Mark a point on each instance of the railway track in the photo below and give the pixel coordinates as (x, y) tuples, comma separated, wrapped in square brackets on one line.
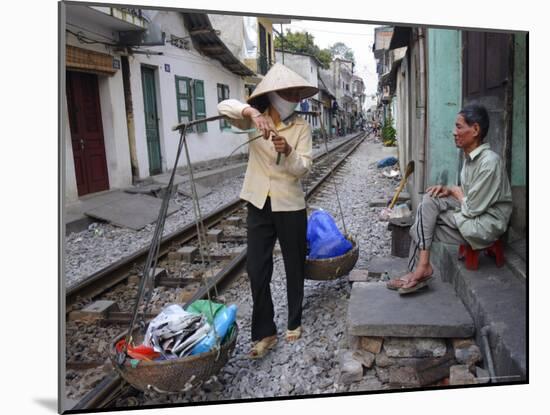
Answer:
[(228, 266)]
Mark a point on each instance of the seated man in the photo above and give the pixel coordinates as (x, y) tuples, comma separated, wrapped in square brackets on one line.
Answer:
[(475, 213)]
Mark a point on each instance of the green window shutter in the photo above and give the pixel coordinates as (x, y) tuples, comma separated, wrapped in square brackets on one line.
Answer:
[(223, 93), (200, 105), (183, 98)]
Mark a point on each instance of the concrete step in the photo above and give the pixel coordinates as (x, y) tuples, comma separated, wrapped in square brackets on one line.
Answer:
[(496, 298), (515, 254), (434, 312), (393, 265)]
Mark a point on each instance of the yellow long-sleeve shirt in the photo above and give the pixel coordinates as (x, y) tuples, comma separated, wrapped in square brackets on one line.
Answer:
[(263, 176)]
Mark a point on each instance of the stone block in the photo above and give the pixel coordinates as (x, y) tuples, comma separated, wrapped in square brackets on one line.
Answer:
[(364, 357), (350, 369), (95, 311), (468, 356), (358, 275), (372, 344), (435, 312), (403, 376), (414, 347), (187, 254), (460, 375), (383, 374), (214, 235), (462, 343), (430, 371), (382, 360), (394, 266)]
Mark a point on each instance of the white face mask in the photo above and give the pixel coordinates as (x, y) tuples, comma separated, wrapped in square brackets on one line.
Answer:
[(284, 108)]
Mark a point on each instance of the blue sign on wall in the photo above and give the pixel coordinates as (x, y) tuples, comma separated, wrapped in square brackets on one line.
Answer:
[(167, 67)]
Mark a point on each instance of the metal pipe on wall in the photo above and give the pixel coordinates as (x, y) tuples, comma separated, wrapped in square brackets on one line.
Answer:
[(421, 109)]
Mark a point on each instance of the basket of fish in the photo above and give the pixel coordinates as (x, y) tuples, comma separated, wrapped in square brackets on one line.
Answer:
[(179, 349)]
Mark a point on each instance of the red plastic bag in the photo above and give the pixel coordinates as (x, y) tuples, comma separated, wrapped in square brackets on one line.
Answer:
[(140, 352)]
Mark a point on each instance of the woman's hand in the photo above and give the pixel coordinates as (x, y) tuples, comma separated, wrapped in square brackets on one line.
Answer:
[(262, 124), (281, 146), (438, 191)]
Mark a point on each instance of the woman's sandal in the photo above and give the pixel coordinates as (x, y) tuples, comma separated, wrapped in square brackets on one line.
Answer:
[(261, 348), (421, 283), (293, 335)]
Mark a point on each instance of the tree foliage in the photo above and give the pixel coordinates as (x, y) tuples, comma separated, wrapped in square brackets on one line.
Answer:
[(303, 42), (342, 51)]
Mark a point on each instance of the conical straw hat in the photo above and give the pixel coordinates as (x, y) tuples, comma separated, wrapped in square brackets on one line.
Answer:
[(280, 77)]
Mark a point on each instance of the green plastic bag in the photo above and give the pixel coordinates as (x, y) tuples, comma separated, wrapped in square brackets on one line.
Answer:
[(203, 307)]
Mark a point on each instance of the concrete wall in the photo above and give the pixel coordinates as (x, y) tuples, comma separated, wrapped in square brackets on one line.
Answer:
[(231, 32), (212, 144), (305, 66), (519, 117), (519, 138), (115, 130), (444, 101)]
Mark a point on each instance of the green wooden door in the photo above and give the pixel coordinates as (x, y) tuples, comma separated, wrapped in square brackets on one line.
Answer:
[(151, 120)]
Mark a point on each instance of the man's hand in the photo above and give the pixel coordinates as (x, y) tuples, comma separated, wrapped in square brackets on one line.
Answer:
[(281, 146), (457, 193), (438, 191)]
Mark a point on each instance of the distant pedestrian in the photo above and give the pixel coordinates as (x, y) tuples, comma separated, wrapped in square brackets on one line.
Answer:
[(475, 213), (276, 202)]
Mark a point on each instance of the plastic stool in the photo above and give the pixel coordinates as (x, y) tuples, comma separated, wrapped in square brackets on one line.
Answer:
[(471, 256)]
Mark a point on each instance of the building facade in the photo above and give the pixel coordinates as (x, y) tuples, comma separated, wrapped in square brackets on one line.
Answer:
[(132, 74)]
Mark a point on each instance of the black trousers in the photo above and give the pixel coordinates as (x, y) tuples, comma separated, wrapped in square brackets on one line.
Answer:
[(264, 227)]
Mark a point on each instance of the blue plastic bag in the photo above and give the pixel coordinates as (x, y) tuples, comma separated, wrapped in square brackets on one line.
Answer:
[(324, 238), (386, 162), (222, 322)]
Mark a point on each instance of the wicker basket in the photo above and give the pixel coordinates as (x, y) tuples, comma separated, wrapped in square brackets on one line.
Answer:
[(173, 376), (332, 268)]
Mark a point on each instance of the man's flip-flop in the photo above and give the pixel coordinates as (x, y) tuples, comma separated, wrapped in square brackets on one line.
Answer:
[(419, 284), (390, 285)]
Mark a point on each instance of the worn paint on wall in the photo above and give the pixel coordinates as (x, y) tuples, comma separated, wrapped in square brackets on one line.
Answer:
[(519, 117), (444, 99)]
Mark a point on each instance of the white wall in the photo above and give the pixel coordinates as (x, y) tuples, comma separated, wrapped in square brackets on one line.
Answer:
[(304, 66), (115, 130), (71, 190), (231, 32), (187, 63)]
